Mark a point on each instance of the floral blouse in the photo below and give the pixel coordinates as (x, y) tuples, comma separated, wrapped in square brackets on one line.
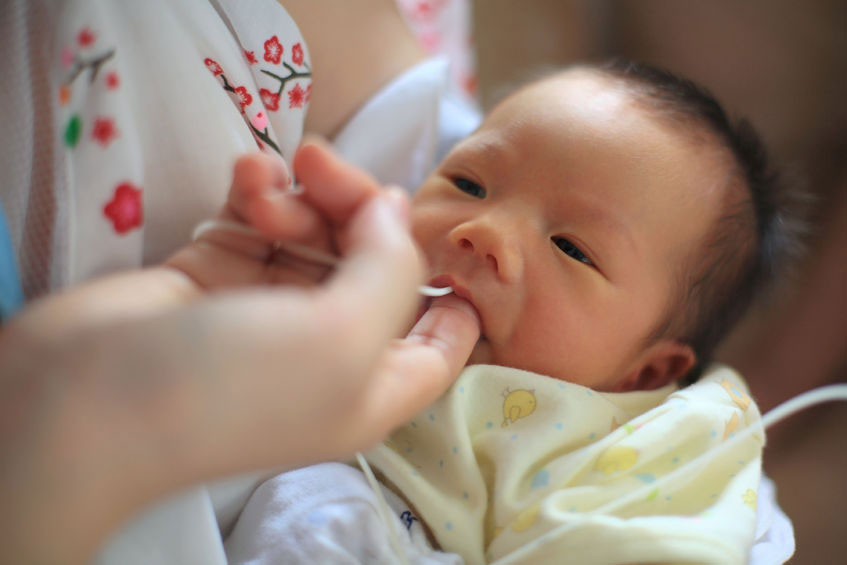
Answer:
[(155, 100)]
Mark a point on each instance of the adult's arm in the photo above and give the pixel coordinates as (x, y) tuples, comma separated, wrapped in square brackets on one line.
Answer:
[(356, 48)]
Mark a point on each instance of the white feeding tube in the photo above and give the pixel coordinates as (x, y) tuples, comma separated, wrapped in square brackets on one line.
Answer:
[(300, 251)]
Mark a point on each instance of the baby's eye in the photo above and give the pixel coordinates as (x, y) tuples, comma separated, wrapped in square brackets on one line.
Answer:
[(469, 187), (572, 250)]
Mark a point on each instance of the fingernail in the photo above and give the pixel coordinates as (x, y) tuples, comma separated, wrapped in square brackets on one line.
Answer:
[(398, 200)]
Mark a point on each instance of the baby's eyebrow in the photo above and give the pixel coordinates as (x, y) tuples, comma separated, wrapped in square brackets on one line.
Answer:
[(484, 146), (588, 213)]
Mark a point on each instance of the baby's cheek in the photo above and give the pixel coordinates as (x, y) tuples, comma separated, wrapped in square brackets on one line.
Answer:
[(422, 230)]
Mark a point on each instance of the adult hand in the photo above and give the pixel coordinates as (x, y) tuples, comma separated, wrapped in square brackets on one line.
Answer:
[(362, 305), (122, 390)]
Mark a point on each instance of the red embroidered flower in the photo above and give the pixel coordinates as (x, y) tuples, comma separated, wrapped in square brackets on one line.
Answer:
[(273, 50), (113, 80), (296, 97), (297, 54), (423, 9), (213, 66), (86, 37), (104, 131), (269, 99), (244, 97), (251, 58), (309, 92), (125, 208)]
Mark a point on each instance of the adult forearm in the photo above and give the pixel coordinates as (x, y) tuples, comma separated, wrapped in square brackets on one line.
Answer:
[(356, 48), (72, 401), (99, 424), (69, 460)]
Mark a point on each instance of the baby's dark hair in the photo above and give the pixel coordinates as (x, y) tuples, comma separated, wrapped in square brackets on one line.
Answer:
[(757, 230)]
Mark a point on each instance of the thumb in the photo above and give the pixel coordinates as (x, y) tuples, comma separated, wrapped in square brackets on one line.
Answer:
[(419, 368)]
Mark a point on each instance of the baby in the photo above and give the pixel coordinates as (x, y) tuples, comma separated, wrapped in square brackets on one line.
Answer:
[(609, 226)]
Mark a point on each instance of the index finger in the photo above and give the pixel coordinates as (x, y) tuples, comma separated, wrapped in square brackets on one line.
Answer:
[(373, 287), (333, 186)]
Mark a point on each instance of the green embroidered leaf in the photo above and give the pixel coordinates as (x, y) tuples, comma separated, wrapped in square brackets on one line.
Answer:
[(73, 131)]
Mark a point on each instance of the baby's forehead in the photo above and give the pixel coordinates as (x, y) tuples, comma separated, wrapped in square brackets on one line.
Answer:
[(574, 100), (615, 100), (578, 82)]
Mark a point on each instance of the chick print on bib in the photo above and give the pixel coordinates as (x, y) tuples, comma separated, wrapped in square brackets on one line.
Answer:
[(517, 404)]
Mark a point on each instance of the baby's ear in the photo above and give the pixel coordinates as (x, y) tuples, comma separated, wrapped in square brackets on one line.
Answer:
[(661, 363)]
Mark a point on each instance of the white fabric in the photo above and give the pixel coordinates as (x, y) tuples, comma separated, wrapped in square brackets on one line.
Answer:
[(395, 145), (181, 529), (774, 531), (401, 147), (327, 514)]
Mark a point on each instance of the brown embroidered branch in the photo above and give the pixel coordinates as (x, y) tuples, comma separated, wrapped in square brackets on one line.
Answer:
[(92, 64), (227, 86), (293, 74), (263, 135)]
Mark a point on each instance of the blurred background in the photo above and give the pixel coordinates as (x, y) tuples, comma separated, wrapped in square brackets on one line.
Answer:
[(783, 65)]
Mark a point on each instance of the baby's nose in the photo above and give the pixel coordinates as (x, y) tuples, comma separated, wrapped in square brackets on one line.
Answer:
[(466, 243), (491, 244)]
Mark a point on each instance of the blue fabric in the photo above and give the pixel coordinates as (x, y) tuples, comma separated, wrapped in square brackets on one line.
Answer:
[(11, 296)]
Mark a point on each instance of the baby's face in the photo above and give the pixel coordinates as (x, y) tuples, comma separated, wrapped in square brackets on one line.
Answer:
[(564, 220)]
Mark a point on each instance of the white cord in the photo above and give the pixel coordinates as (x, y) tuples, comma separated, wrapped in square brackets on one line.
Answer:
[(384, 510), (300, 251), (803, 401)]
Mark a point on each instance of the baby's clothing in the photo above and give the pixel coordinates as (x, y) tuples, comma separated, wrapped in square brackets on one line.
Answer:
[(516, 466), (327, 513)]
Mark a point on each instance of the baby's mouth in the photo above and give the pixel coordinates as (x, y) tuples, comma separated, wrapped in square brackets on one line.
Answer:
[(459, 291)]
